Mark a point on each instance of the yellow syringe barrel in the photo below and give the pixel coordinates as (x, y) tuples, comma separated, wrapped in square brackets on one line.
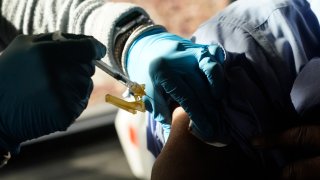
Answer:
[(131, 107)]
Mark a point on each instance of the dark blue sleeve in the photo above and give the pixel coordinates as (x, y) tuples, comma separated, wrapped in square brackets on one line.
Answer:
[(268, 42), (305, 93)]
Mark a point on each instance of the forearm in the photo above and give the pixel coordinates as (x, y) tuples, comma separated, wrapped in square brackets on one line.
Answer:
[(97, 18)]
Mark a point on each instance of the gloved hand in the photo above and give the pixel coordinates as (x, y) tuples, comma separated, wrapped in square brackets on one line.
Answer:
[(304, 141), (45, 85), (175, 70)]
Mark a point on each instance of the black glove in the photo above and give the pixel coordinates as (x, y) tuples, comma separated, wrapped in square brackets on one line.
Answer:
[(44, 85)]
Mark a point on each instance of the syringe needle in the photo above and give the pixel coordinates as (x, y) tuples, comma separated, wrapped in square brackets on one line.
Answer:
[(107, 69)]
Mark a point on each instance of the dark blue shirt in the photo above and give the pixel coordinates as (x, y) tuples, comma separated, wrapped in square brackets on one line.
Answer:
[(268, 42)]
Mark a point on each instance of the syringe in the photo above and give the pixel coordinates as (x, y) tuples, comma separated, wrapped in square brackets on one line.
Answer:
[(107, 69), (135, 89)]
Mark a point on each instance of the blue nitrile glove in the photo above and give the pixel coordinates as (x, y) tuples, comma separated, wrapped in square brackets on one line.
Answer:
[(174, 69), (44, 85)]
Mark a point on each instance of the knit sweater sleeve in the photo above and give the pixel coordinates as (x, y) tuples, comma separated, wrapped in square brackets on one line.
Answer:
[(90, 17)]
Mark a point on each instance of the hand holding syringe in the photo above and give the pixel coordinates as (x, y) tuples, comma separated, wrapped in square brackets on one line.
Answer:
[(135, 89)]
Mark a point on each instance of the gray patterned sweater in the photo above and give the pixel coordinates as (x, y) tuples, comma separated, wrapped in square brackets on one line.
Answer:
[(90, 17)]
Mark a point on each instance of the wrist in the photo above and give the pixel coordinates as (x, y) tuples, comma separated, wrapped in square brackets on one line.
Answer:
[(134, 36), (124, 30), (110, 23)]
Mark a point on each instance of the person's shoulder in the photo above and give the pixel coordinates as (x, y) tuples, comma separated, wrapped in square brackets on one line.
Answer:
[(251, 12), (243, 18)]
